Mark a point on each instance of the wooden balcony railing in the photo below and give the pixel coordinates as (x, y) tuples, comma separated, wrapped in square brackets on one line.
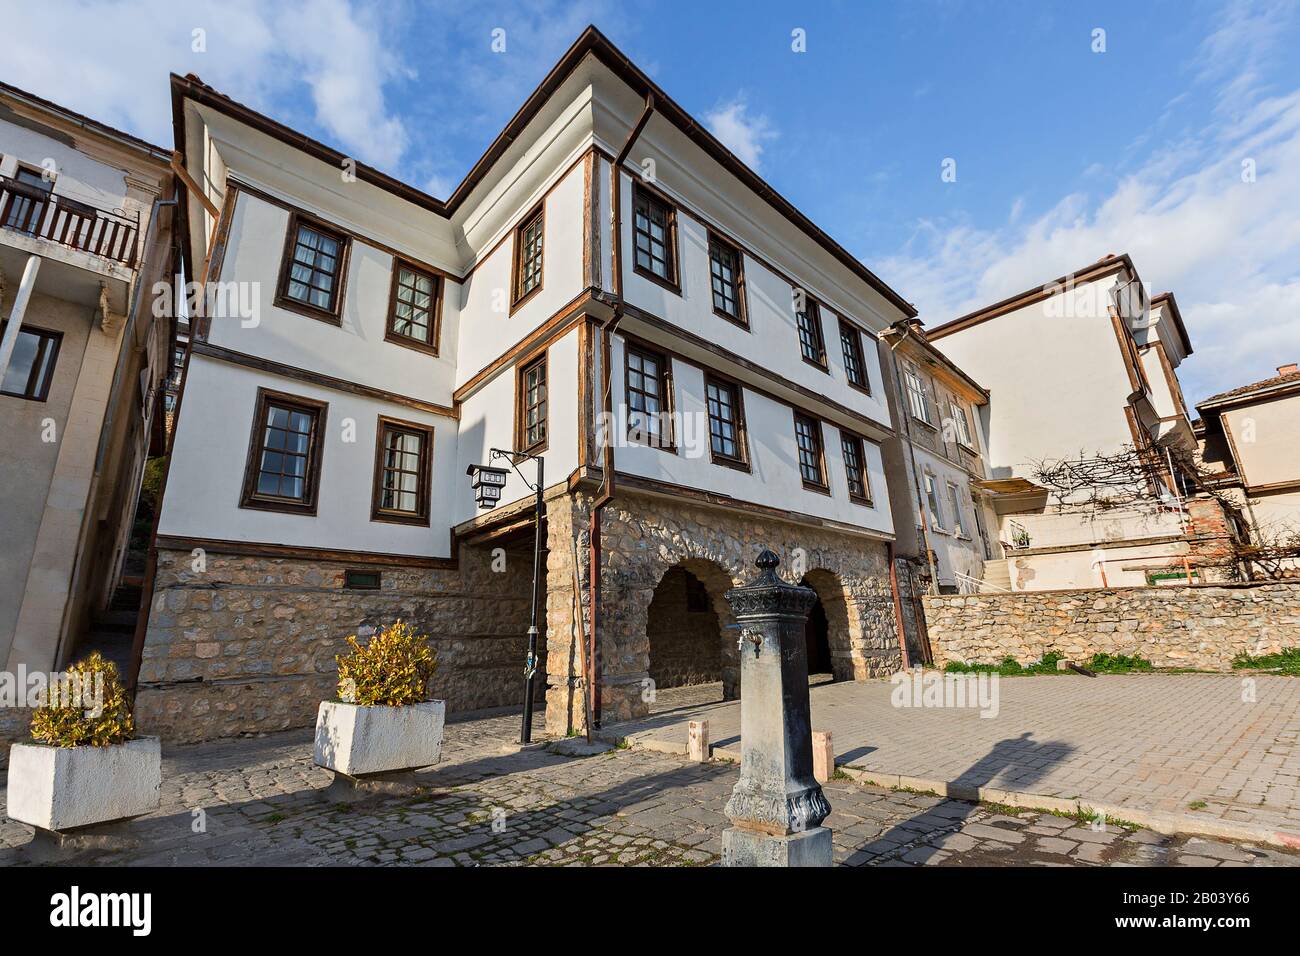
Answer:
[(42, 214)]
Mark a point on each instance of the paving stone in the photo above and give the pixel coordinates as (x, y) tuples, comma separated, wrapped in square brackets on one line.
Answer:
[(562, 812), (1054, 845)]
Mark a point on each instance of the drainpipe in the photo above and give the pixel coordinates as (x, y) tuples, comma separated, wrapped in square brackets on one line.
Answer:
[(25, 286), (607, 406), (898, 606)]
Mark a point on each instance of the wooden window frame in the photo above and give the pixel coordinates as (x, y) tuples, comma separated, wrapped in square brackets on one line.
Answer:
[(420, 516), (928, 479), (954, 499), (818, 433), (641, 191), (859, 447), (812, 311), (959, 415), (632, 347), (435, 312), (249, 498), (349, 585), (49, 338), (517, 296), (741, 318), (334, 314), (521, 417), (859, 354), (740, 463), (911, 372)]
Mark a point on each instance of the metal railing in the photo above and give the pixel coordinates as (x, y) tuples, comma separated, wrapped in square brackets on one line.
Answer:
[(966, 584), (43, 214)]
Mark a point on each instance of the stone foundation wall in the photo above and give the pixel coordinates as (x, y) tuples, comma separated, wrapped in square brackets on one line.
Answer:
[(248, 643), (643, 536), (1203, 627)]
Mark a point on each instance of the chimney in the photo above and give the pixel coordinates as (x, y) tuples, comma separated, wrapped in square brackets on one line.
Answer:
[(1287, 369)]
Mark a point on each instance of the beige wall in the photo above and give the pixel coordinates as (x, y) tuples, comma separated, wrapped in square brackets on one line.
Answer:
[(1266, 439), (27, 462)]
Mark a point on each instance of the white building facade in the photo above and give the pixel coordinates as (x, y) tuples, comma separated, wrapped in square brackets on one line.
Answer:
[(1082, 372), (608, 289)]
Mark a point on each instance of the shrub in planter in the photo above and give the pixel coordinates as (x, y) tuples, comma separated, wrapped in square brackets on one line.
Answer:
[(383, 720), (87, 766)]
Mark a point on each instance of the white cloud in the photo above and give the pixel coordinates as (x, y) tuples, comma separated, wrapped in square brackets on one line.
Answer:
[(110, 61), (743, 134), (1229, 250)]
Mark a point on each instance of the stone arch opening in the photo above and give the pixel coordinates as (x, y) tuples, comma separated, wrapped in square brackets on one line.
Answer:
[(829, 629), (687, 628), (816, 634)]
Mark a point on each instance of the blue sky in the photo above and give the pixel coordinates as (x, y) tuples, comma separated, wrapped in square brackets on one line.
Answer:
[(1062, 154)]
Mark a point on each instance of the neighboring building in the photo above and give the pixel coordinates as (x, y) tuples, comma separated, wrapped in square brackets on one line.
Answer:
[(1081, 375), (1250, 444), (939, 451), (607, 260), (85, 232)]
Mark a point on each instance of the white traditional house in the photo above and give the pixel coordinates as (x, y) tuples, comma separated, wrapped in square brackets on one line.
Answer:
[(938, 457), (609, 289), (1089, 440), (1250, 445)]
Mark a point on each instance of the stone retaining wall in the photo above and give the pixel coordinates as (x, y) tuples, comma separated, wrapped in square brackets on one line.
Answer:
[(248, 643), (1202, 627)]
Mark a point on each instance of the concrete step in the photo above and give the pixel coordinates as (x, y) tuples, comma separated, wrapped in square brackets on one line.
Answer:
[(997, 575)]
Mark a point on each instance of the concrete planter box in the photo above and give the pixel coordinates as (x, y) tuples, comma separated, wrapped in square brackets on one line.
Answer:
[(61, 788), (356, 740)]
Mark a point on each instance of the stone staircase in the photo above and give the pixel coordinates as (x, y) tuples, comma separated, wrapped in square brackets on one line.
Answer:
[(113, 631), (996, 575)]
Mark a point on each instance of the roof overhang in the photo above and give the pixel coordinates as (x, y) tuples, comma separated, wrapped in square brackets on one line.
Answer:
[(1009, 486), (592, 42)]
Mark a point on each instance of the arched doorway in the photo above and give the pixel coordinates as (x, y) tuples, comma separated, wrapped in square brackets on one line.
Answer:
[(817, 637), (684, 633)]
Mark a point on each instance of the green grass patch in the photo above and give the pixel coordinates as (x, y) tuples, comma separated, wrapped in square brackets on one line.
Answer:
[(1118, 664), (1010, 667), (1197, 805), (1285, 662)]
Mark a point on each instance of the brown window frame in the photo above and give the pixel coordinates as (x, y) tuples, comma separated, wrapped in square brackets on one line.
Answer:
[(823, 484), (521, 408), (334, 314), (667, 442), (741, 318), (249, 496), (850, 440), (378, 512), (643, 193), (741, 461), (517, 296), (851, 333), (812, 311), (435, 310), (49, 339)]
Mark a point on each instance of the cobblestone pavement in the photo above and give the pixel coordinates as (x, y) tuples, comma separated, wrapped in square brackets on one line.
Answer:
[(262, 802), (1184, 744)]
